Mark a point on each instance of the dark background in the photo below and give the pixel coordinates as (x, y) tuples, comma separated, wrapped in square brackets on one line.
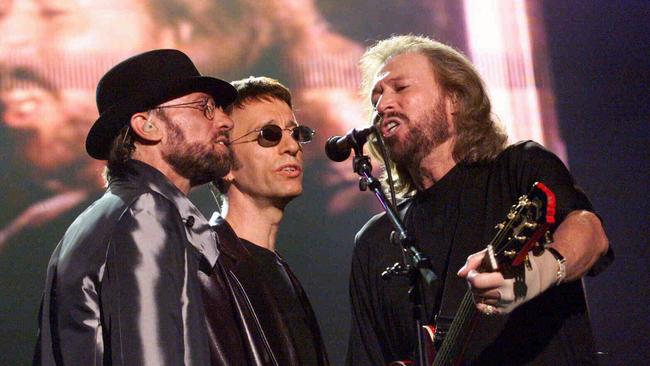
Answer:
[(600, 59)]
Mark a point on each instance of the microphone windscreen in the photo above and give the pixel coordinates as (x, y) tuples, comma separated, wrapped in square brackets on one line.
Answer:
[(333, 151)]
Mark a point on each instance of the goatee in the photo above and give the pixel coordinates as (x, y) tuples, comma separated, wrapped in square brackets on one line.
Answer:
[(424, 135), (200, 163)]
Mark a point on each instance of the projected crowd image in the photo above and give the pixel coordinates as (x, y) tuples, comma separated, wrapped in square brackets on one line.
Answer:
[(53, 53)]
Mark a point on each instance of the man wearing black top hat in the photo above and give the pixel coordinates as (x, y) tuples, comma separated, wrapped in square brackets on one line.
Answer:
[(122, 284)]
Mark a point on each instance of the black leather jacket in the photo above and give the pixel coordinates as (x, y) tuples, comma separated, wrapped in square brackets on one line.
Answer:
[(121, 287)]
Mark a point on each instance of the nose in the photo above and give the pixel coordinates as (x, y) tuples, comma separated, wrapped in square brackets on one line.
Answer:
[(386, 103), (288, 145), (222, 120)]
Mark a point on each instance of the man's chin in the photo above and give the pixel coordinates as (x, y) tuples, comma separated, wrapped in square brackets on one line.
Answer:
[(284, 200), (400, 156), (207, 176)]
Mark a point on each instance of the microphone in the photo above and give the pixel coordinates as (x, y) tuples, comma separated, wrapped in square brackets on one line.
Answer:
[(338, 148)]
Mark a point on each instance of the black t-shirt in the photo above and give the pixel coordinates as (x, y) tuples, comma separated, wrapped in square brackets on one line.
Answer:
[(275, 270), (451, 220)]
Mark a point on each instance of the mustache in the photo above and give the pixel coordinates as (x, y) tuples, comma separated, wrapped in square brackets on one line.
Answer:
[(222, 134), (394, 114)]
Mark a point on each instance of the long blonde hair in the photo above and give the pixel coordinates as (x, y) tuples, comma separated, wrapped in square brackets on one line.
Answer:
[(478, 136)]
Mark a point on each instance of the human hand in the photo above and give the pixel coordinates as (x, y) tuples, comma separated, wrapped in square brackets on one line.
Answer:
[(503, 290)]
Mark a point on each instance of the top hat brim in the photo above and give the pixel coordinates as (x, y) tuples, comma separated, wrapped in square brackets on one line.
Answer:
[(111, 121)]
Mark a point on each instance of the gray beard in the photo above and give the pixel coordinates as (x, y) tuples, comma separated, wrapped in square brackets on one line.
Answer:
[(197, 162), (423, 136)]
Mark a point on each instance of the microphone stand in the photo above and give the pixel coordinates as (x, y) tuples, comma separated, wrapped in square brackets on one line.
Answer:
[(417, 266)]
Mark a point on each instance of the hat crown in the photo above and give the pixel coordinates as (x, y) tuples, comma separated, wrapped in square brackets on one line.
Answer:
[(141, 74), (142, 82)]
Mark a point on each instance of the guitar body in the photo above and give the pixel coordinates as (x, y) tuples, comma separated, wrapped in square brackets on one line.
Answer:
[(526, 228), (429, 333)]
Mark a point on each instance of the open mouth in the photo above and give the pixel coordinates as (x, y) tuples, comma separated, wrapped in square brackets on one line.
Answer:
[(390, 127), (291, 170), (222, 140), (20, 109)]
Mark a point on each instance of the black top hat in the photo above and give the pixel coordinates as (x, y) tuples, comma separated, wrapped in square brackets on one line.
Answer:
[(142, 82)]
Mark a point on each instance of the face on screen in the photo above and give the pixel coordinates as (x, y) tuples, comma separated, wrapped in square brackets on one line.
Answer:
[(52, 53), (84, 26)]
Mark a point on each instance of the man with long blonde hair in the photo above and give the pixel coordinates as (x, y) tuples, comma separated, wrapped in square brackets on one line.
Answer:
[(459, 177)]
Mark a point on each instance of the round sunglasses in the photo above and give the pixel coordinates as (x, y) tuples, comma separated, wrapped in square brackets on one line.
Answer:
[(271, 135)]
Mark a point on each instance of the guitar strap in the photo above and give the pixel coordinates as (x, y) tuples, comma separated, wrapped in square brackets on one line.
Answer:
[(466, 238)]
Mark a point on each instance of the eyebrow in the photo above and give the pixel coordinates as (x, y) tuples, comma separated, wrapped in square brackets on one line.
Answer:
[(388, 80), (290, 123), (394, 79)]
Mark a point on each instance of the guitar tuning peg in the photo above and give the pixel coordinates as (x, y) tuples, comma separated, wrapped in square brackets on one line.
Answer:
[(510, 253), (520, 238), (530, 225), (500, 226)]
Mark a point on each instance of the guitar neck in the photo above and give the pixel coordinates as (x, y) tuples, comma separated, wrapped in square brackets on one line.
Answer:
[(452, 346)]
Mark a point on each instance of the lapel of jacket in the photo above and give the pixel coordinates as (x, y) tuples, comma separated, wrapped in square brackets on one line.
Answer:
[(197, 228), (264, 317)]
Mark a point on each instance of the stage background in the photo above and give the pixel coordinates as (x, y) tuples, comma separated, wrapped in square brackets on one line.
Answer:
[(571, 75)]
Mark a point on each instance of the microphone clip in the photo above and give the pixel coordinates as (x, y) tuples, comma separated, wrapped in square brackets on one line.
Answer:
[(338, 148)]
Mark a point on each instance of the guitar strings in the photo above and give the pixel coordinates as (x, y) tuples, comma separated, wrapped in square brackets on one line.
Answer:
[(466, 307)]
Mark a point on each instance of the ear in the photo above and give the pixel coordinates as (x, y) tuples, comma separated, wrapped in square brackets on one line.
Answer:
[(146, 127), (451, 107)]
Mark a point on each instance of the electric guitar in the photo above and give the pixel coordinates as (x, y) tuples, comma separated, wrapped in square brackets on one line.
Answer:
[(526, 226)]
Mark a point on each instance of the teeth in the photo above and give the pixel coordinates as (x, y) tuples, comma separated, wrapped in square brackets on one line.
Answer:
[(289, 169), (391, 125)]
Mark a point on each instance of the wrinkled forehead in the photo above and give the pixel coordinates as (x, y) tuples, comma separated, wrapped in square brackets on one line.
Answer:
[(388, 71), (404, 67), (257, 113)]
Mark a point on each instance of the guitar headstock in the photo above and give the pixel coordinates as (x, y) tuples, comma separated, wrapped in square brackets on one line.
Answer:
[(526, 223)]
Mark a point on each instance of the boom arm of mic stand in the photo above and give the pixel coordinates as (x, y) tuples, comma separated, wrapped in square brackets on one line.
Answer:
[(415, 261)]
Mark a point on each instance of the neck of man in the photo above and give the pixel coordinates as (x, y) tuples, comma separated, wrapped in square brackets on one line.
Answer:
[(434, 166), (155, 160), (254, 219)]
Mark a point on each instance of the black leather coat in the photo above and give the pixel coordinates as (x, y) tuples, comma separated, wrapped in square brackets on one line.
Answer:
[(245, 325), (121, 285)]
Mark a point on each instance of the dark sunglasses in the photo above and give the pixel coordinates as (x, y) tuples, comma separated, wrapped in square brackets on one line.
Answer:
[(271, 135)]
